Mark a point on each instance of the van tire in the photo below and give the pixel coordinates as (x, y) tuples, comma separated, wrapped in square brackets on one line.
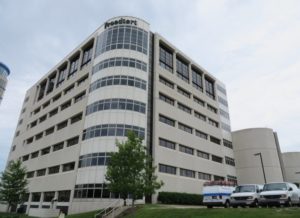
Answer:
[(255, 204), (289, 203), (227, 204)]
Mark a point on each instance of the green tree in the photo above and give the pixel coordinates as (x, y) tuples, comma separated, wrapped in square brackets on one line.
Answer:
[(130, 170), (13, 184)]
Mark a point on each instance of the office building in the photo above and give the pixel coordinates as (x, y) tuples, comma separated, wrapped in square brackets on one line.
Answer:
[(122, 77), (4, 72)]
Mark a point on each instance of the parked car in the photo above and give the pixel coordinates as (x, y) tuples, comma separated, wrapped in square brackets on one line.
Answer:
[(281, 193), (246, 195), (217, 193)]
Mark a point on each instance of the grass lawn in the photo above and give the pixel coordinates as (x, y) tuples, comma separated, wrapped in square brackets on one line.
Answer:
[(12, 215), (162, 211), (157, 211)]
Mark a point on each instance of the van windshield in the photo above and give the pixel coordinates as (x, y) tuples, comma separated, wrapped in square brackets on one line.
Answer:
[(275, 186), (245, 188)]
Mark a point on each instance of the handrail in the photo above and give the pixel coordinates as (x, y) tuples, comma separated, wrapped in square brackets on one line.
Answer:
[(109, 209)]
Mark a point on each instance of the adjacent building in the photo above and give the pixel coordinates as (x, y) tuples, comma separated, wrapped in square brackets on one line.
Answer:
[(122, 77), (291, 162), (4, 72), (258, 156)]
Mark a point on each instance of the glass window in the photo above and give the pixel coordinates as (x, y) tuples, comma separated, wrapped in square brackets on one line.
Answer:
[(217, 159), (187, 173), (197, 79), (182, 70), (165, 58), (166, 120), (167, 169), (209, 88), (203, 154), (166, 99), (186, 149), (185, 128), (122, 37), (215, 140), (166, 143)]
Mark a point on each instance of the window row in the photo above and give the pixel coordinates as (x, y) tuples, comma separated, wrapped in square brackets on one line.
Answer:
[(116, 104), (163, 168), (112, 130), (183, 72), (94, 159), (187, 94), (56, 110), (222, 101), (97, 190), (122, 37), (59, 95), (118, 80), (65, 71), (221, 89), (225, 127), (120, 62), (52, 170), (187, 109), (58, 146), (54, 128), (62, 196), (171, 122), (191, 151)]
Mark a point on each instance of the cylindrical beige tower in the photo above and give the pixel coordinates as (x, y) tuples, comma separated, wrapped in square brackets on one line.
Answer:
[(291, 162), (257, 156)]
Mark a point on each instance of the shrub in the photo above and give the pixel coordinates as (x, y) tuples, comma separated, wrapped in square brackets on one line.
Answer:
[(179, 198)]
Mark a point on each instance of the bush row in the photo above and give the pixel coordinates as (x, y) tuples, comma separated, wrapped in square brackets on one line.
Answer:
[(179, 198)]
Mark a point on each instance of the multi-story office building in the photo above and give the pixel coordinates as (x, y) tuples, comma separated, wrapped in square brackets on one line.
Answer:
[(4, 72), (122, 77)]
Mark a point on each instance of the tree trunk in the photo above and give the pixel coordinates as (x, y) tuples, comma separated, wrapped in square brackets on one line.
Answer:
[(132, 205), (124, 199)]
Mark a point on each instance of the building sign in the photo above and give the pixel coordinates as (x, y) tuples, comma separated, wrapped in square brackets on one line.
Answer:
[(120, 21)]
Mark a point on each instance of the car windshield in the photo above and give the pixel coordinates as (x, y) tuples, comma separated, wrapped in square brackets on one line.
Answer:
[(275, 186), (245, 188)]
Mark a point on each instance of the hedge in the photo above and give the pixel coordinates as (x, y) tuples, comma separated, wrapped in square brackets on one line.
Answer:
[(179, 198)]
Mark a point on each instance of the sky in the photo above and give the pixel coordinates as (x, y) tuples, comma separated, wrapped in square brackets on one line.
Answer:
[(252, 46)]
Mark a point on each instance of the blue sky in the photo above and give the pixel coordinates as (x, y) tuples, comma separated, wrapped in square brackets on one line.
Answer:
[(252, 46)]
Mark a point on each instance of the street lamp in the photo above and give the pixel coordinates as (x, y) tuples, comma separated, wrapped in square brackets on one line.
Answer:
[(262, 165)]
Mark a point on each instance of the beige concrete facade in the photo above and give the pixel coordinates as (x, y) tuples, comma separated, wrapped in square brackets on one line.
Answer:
[(263, 141), (70, 119)]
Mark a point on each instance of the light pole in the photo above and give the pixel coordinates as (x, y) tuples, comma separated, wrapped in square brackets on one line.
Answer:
[(262, 165)]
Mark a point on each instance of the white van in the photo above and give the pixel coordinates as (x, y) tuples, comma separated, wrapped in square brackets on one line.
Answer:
[(217, 193), (281, 193), (246, 195)]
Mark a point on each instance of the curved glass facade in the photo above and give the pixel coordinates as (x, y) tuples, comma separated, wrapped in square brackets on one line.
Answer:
[(120, 62), (122, 37), (94, 159), (118, 80), (112, 130), (116, 104)]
